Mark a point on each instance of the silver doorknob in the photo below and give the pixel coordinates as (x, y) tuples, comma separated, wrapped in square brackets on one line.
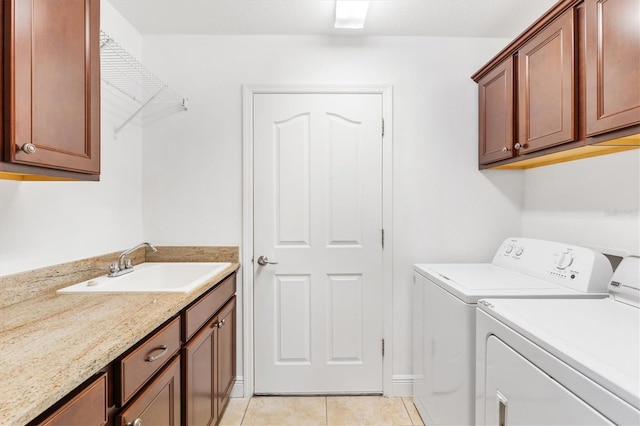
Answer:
[(28, 148), (505, 149), (517, 145), (264, 260), (136, 422)]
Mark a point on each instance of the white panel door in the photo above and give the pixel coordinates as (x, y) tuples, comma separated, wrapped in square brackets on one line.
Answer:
[(318, 214)]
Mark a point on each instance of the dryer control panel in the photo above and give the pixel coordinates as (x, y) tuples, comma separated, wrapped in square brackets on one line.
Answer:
[(625, 283), (579, 268)]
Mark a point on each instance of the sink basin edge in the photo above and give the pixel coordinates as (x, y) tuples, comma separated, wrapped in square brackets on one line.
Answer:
[(152, 277)]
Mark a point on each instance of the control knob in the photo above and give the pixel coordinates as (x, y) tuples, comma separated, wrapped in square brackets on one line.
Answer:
[(508, 249), (564, 260)]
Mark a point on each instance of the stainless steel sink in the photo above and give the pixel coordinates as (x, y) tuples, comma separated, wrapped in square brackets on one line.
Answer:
[(152, 278)]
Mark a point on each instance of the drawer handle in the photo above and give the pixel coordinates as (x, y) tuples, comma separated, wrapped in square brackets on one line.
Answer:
[(163, 348), (136, 422)]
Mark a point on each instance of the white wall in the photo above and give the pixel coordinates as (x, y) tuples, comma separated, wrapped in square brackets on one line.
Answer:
[(45, 223), (593, 202), (444, 208)]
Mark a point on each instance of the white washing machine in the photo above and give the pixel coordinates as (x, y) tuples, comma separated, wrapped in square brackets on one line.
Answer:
[(445, 297), (561, 362)]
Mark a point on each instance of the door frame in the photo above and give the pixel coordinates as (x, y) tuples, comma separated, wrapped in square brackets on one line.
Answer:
[(246, 250)]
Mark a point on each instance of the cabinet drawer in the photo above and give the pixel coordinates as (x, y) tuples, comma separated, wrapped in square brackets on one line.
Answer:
[(87, 408), (158, 403), (198, 314), (138, 366)]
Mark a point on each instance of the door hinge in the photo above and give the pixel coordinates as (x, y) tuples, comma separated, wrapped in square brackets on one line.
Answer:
[(383, 127), (382, 238), (382, 347)]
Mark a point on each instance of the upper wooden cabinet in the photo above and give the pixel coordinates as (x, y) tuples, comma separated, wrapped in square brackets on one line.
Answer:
[(576, 87), (495, 99), (612, 65), (546, 107), (51, 102)]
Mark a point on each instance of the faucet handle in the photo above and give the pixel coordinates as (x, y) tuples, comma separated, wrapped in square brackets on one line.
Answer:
[(127, 263), (114, 267)]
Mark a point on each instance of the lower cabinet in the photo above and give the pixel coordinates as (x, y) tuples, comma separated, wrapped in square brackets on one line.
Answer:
[(209, 368), (140, 364), (181, 373), (226, 354), (87, 406), (158, 403)]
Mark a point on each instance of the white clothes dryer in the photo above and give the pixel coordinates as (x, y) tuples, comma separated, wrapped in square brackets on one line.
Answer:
[(445, 297), (561, 362)]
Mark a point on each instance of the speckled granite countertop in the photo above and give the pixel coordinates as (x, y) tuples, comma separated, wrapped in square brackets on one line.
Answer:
[(50, 343)]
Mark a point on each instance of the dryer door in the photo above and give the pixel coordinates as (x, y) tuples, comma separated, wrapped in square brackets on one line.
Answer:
[(519, 393)]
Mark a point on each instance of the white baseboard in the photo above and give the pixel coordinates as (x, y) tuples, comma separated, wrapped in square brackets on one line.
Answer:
[(237, 391), (402, 385)]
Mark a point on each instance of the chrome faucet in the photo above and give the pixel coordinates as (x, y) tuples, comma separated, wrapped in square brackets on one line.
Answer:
[(123, 265)]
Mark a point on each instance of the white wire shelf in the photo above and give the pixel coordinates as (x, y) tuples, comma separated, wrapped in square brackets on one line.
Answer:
[(129, 77)]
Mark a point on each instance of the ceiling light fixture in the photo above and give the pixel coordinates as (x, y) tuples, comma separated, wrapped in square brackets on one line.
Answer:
[(351, 13)]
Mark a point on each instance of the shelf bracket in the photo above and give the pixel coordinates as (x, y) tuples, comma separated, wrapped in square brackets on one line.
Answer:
[(128, 77), (148, 101)]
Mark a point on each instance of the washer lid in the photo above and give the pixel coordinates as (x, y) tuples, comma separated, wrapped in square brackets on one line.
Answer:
[(600, 338), (472, 281)]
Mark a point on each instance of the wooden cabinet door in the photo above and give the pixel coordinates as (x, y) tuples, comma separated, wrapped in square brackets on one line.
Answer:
[(612, 60), (546, 87), (159, 403), (495, 112), (87, 408), (226, 354), (200, 377), (53, 95), (209, 360)]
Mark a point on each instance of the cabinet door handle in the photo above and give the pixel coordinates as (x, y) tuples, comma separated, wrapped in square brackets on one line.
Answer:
[(136, 422), (28, 148), (150, 358), (505, 149), (218, 324), (517, 145)]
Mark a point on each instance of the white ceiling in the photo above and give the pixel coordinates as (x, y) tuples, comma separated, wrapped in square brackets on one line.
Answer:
[(439, 18)]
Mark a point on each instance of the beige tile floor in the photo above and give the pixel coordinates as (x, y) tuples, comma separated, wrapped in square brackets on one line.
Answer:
[(320, 410)]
